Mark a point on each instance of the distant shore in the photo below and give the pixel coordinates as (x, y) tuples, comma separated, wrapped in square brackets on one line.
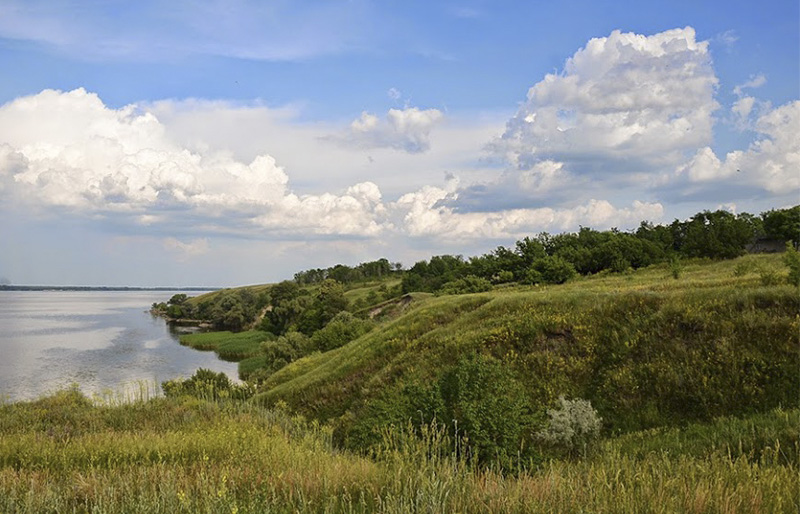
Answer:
[(102, 288)]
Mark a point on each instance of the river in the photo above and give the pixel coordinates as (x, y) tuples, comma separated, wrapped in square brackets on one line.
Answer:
[(104, 341)]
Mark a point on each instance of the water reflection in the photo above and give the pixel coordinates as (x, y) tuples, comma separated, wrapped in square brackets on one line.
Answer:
[(99, 339)]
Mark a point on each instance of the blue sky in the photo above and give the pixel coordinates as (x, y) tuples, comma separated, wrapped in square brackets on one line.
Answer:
[(224, 143)]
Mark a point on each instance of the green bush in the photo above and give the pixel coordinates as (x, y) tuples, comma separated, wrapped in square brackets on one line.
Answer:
[(675, 267), (468, 284), (549, 270), (792, 260), (207, 385), (489, 407), (277, 353), (504, 276), (769, 277), (342, 329)]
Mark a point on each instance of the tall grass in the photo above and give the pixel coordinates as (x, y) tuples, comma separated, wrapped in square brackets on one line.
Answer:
[(168, 455)]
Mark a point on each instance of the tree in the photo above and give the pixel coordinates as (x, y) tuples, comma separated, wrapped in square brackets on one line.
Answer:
[(783, 224), (717, 235)]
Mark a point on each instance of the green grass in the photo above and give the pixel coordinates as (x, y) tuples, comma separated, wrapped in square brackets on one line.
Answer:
[(210, 296), (646, 349), (63, 454), (229, 346), (251, 364), (359, 290)]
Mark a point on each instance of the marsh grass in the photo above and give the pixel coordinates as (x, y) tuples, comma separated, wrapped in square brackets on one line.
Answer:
[(229, 346)]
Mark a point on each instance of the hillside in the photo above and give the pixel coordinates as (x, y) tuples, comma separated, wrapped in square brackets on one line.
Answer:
[(646, 349)]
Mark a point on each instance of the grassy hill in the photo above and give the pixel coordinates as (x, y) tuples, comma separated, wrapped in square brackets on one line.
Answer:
[(646, 349)]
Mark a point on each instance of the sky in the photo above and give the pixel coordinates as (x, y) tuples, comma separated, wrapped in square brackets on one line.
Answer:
[(223, 143)]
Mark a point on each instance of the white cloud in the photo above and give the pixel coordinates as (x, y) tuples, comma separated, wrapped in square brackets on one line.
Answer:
[(70, 150), (746, 107), (407, 129), (771, 163), (426, 216), (188, 249), (623, 103), (304, 147), (727, 38), (743, 107), (755, 81)]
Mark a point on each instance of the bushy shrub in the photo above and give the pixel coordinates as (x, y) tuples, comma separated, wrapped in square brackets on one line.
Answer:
[(549, 270), (488, 406), (280, 352), (573, 426), (342, 329), (792, 260), (744, 266), (468, 284), (504, 277), (207, 385), (769, 276), (675, 267)]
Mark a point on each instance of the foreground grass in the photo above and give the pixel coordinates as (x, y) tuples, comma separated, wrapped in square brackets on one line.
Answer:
[(62, 454)]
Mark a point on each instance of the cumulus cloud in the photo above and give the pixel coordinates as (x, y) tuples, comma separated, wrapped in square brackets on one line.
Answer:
[(545, 183), (746, 107), (69, 150), (771, 162), (402, 129), (743, 107), (623, 103), (427, 216)]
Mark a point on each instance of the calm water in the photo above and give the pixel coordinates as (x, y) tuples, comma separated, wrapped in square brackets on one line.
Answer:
[(101, 340)]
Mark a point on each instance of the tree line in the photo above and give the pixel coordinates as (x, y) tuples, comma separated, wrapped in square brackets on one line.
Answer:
[(554, 259), (315, 296)]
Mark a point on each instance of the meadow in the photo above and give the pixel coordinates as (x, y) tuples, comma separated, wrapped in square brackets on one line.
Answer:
[(64, 454)]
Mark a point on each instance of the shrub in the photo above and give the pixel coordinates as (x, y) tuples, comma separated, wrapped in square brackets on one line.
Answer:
[(488, 406), (468, 284), (342, 329), (280, 352), (574, 426), (675, 267), (549, 270), (769, 277), (504, 276), (743, 267), (792, 260), (207, 385)]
